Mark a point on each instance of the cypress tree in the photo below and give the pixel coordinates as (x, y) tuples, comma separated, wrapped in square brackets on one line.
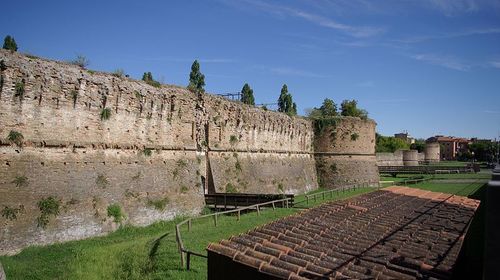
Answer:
[(247, 95), (9, 43), (196, 78), (285, 102)]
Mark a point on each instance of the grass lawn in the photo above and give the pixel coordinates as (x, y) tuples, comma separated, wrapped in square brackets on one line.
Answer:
[(140, 253)]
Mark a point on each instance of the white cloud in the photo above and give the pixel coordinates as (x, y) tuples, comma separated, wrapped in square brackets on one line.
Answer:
[(464, 33), (495, 64), (283, 12), (442, 60), (453, 7)]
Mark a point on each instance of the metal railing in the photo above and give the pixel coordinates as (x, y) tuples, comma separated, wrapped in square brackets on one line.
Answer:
[(186, 253)]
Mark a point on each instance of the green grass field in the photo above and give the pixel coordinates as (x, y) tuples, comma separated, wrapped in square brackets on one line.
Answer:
[(140, 253), (151, 252)]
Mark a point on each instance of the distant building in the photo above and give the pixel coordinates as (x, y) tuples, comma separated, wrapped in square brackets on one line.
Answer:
[(405, 137), (451, 147)]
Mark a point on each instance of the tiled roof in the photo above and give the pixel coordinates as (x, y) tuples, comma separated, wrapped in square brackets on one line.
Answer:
[(394, 233)]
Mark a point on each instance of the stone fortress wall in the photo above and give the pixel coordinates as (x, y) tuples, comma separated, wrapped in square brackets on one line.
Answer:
[(344, 148), (431, 154), (158, 153)]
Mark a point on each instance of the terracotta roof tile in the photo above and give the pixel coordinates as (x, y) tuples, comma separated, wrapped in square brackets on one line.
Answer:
[(394, 233)]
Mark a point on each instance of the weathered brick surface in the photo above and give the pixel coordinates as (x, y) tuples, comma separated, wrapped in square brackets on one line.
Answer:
[(67, 147)]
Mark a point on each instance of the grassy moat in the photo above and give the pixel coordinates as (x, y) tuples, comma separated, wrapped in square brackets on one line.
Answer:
[(151, 252)]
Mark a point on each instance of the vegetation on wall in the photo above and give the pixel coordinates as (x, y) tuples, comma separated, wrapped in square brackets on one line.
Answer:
[(285, 102), (230, 188), (48, 207), (158, 204), (114, 210), (354, 136), (16, 137), (247, 95), (350, 108), (9, 43), (327, 109), (101, 181), (233, 139), (10, 213), (19, 90), (81, 61), (388, 144), (147, 152), (20, 181), (196, 79), (105, 114), (148, 78)]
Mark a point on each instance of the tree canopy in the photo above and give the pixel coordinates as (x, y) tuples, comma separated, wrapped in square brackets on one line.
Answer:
[(9, 43), (196, 78), (387, 144), (350, 108), (285, 102), (247, 95), (148, 78), (327, 109)]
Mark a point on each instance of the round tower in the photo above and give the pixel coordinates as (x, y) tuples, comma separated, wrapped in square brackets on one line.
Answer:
[(345, 152)]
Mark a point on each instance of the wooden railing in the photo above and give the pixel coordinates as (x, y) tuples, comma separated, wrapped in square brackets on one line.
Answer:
[(186, 253)]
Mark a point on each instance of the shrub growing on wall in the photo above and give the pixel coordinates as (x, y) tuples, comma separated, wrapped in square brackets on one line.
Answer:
[(105, 114), (115, 211), (48, 207), (16, 138), (20, 181)]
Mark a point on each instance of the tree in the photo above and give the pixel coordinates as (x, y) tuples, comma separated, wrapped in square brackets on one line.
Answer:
[(419, 145), (350, 108), (327, 109), (285, 102), (148, 78), (387, 144), (9, 43), (247, 95), (196, 78), (81, 61)]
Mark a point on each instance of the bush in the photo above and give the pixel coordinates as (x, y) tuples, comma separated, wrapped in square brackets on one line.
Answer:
[(10, 213), (105, 114), (16, 138), (233, 140), (159, 204), (81, 61), (230, 188), (48, 207), (120, 73), (148, 78), (115, 211), (102, 181), (19, 90), (354, 136), (147, 152), (184, 189), (9, 43), (20, 181)]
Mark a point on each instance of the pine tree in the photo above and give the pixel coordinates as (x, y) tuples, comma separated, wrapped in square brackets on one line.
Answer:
[(9, 43), (196, 78), (247, 95)]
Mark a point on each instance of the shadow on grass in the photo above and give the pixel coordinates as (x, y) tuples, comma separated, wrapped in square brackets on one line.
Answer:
[(470, 261)]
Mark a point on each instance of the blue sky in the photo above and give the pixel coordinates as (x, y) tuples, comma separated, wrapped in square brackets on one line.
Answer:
[(426, 66)]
